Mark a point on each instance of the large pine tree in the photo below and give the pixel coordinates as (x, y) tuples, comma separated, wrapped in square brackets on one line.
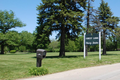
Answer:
[(108, 22), (89, 10), (64, 16)]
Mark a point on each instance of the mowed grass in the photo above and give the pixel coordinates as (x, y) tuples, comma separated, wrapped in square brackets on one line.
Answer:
[(15, 66)]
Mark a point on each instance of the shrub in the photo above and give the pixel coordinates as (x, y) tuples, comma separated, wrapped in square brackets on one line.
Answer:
[(38, 71), (50, 49), (12, 51), (70, 47), (22, 48), (6, 49)]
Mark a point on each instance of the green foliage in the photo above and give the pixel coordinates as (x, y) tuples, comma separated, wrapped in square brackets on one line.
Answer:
[(108, 22), (38, 71), (110, 46), (12, 51), (7, 21), (42, 38), (26, 39), (79, 43), (22, 48), (71, 47), (6, 49), (63, 16), (13, 38), (53, 46), (94, 48)]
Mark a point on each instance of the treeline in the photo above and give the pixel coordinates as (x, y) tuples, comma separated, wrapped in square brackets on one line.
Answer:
[(15, 41), (26, 42), (77, 46), (65, 17)]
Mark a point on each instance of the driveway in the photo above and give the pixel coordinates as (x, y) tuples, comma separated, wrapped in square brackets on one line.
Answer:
[(105, 72)]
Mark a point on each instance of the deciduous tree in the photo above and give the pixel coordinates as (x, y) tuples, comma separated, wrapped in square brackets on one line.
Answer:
[(7, 22)]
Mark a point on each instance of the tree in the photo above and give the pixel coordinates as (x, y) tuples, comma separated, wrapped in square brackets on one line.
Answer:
[(27, 39), (42, 37), (89, 12), (53, 45), (34, 44), (64, 16), (7, 22), (71, 47), (108, 22), (13, 40), (118, 38), (79, 43)]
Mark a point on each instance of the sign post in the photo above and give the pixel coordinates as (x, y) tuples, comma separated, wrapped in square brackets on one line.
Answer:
[(93, 39), (84, 45), (99, 45)]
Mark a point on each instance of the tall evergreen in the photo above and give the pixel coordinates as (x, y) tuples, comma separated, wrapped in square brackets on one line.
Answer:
[(42, 36), (108, 22), (89, 13), (64, 16)]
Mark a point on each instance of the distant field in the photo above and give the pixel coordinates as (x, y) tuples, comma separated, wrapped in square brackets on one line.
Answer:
[(15, 66)]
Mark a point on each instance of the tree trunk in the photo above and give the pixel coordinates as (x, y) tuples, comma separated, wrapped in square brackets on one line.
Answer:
[(116, 45), (2, 49), (104, 43), (88, 16), (86, 47), (62, 42)]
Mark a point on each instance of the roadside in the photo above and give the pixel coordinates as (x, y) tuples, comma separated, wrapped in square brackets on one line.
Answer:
[(105, 72)]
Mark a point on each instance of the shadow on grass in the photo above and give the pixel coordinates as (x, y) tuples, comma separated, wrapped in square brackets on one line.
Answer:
[(18, 53), (110, 54), (62, 57), (102, 54)]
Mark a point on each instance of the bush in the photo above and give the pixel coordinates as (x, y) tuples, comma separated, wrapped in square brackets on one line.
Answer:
[(70, 47), (6, 49), (22, 48), (50, 49), (53, 46), (12, 51), (38, 71), (94, 48)]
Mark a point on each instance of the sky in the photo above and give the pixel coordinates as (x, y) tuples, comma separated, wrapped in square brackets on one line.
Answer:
[(26, 11)]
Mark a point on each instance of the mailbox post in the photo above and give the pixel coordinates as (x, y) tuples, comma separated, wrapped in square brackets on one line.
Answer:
[(40, 54)]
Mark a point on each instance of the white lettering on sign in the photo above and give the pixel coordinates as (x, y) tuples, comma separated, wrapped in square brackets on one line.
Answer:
[(89, 38), (95, 38), (88, 43), (95, 42)]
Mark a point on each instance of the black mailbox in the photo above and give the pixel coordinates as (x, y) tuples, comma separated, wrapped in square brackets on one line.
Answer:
[(41, 53)]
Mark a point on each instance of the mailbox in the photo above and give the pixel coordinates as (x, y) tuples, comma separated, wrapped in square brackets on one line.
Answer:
[(41, 53)]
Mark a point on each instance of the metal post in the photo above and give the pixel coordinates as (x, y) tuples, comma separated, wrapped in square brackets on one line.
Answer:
[(99, 45), (84, 44), (39, 62)]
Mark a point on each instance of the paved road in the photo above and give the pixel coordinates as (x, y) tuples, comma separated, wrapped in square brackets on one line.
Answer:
[(106, 72)]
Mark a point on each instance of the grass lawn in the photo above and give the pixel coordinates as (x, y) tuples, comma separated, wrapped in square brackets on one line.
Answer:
[(15, 66)]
